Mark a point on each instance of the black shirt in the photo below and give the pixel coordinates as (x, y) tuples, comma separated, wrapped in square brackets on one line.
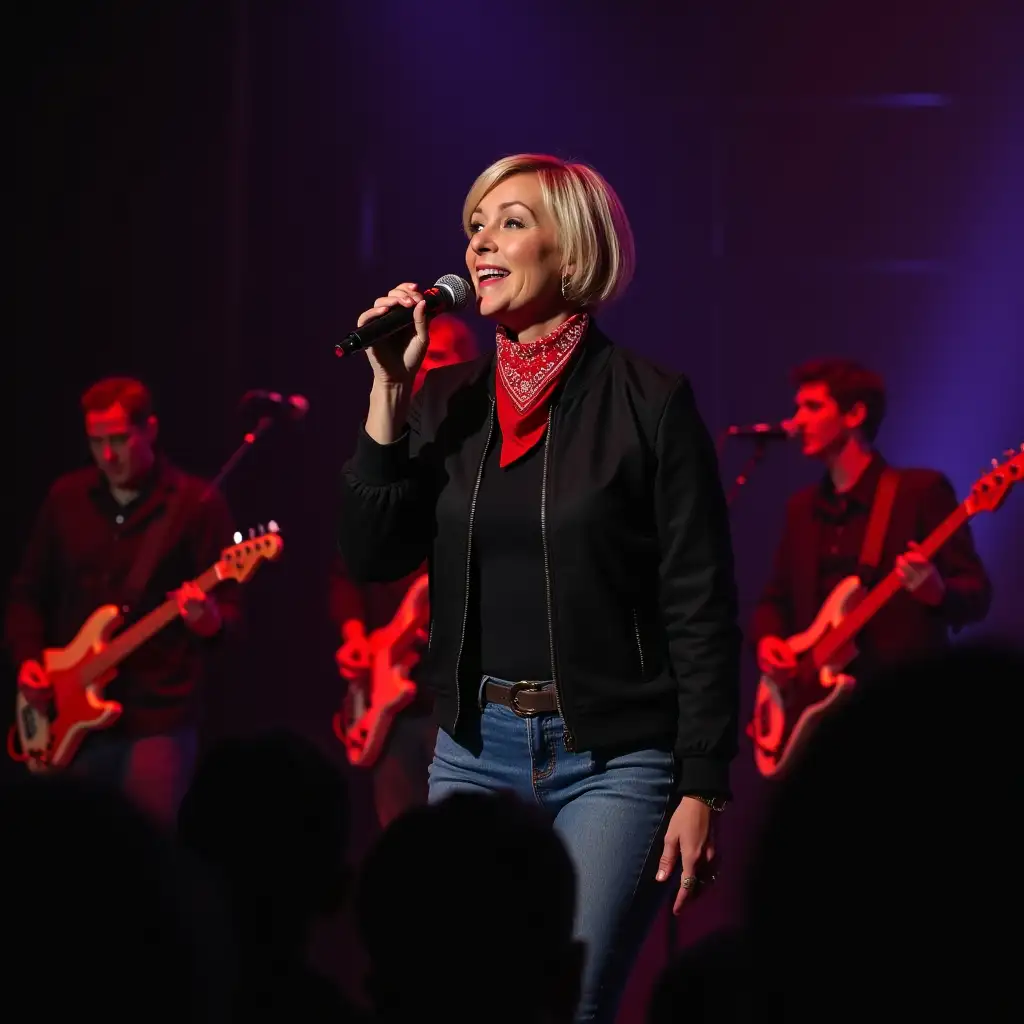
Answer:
[(80, 556), (821, 544), (510, 620), (844, 522)]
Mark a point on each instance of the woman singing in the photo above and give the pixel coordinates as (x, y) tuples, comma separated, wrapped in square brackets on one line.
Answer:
[(584, 650)]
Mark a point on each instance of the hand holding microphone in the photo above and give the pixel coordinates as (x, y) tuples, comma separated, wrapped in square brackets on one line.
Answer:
[(394, 333), (394, 330), (396, 360)]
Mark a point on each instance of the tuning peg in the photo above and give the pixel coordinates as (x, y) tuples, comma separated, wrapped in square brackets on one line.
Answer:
[(252, 533), (238, 536), (995, 463), (261, 529), (274, 528)]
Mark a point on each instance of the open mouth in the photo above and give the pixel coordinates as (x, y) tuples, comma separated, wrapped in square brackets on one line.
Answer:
[(487, 277)]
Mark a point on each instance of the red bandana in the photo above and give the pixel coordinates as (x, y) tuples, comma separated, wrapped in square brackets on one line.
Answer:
[(528, 373)]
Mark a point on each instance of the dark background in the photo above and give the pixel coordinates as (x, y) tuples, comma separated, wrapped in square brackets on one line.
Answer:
[(206, 194)]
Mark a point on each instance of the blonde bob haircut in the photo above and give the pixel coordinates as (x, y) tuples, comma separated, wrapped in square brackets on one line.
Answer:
[(593, 230)]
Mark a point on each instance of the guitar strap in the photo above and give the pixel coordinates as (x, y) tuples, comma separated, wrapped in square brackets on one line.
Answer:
[(152, 549), (878, 524)]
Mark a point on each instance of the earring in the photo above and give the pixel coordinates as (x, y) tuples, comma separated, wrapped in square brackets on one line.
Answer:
[(564, 279)]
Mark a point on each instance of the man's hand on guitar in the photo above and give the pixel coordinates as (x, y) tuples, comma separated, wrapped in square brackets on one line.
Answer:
[(920, 577), (776, 658), (353, 656), (34, 684), (198, 609)]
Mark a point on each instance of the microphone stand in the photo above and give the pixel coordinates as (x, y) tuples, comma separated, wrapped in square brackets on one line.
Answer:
[(760, 447), (262, 426)]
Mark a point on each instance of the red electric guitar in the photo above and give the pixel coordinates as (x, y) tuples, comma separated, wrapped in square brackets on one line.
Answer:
[(79, 672), (372, 702), (785, 713)]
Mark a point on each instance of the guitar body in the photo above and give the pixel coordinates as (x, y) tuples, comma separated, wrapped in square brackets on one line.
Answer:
[(372, 704), (785, 714), (50, 741)]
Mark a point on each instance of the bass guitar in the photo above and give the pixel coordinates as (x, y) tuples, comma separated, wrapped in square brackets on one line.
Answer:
[(78, 673), (786, 712)]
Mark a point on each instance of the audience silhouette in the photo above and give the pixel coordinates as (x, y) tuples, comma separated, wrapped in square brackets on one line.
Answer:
[(108, 920), (466, 908), (269, 815)]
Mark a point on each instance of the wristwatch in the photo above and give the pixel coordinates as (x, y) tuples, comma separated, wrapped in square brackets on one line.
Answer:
[(716, 803)]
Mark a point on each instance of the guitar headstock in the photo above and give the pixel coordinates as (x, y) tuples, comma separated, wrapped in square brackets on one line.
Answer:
[(242, 559), (991, 489)]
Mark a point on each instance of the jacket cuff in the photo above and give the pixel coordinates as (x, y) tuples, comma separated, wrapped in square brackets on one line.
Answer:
[(380, 464), (703, 776)]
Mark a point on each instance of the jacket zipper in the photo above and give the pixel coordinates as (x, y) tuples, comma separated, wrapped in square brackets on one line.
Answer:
[(469, 558), (567, 736), (639, 646)]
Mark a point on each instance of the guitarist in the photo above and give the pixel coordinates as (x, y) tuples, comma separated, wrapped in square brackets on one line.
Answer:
[(92, 529), (840, 406), (400, 775)]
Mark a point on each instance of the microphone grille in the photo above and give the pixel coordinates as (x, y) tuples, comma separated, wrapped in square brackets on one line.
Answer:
[(457, 287)]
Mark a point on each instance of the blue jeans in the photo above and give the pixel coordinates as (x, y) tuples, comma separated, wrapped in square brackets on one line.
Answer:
[(151, 771), (611, 812)]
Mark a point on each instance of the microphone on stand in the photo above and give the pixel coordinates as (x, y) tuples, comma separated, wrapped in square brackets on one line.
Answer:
[(763, 431), (274, 404), (760, 433), (449, 293), (271, 406)]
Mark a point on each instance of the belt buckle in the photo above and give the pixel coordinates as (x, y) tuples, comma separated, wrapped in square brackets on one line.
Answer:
[(513, 697)]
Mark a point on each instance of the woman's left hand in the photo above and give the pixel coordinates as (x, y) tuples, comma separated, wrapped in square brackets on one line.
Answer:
[(688, 840)]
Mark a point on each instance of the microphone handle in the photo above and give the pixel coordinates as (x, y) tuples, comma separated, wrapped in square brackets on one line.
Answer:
[(396, 319)]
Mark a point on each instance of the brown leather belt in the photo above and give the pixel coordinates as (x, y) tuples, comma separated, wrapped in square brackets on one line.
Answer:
[(527, 699)]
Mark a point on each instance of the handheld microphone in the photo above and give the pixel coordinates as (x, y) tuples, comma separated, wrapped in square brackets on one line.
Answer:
[(762, 431), (273, 403), (449, 293)]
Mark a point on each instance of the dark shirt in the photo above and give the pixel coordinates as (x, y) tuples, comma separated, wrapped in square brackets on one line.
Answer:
[(821, 545), (844, 522), (509, 621), (79, 557)]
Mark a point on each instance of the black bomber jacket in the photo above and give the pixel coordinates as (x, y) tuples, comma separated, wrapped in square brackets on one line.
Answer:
[(641, 594)]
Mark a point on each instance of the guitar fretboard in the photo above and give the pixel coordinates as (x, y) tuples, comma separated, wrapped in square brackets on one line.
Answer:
[(835, 640), (139, 632)]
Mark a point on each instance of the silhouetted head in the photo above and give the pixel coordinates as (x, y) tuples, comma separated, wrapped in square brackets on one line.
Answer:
[(104, 919), (453, 897), (270, 815), (891, 856)]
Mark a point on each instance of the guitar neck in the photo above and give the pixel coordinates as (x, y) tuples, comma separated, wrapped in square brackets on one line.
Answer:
[(149, 625), (835, 640)]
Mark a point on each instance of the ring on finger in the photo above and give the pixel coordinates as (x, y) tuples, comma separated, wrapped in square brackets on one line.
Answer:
[(688, 882)]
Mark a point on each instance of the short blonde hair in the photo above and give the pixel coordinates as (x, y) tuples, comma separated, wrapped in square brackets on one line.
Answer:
[(593, 230)]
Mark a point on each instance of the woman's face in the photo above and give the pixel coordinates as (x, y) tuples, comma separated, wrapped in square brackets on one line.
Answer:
[(513, 256)]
